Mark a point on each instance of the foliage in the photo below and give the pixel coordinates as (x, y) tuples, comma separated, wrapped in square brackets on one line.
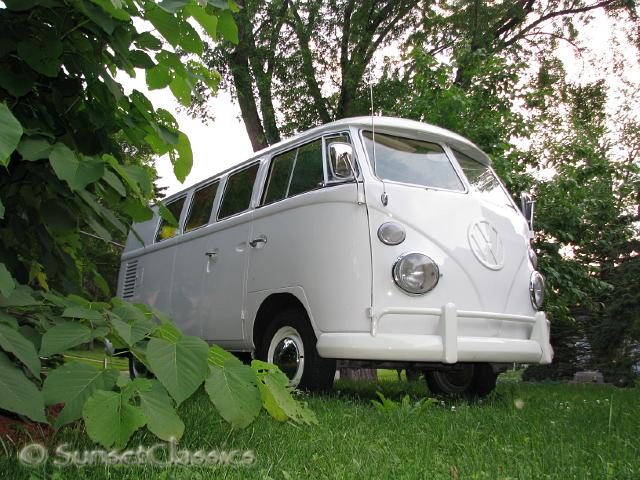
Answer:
[(388, 405), (37, 324)]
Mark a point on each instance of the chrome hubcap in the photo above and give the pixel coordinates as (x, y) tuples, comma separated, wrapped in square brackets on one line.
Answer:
[(286, 350)]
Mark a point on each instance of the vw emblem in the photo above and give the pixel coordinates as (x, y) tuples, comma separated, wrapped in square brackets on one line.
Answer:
[(486, 245)]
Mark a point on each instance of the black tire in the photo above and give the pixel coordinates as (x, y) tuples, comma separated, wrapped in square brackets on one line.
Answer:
[(313, 373), (471, 380)]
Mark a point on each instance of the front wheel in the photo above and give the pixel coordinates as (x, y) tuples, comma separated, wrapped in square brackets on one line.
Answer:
[(289, 343), (467, 380)]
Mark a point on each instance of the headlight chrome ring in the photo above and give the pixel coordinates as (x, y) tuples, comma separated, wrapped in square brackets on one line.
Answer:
[(415, 273), (536, 289)]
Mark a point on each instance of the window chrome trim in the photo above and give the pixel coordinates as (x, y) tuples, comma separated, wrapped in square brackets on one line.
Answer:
[(444, 147)]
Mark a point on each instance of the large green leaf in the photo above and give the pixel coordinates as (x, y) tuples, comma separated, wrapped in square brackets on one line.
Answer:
[(78, 173), (20, 297), (10, 133), (276, 395), (43, 54), (181, 90), (173, 6), (72, 384), (63, 336), (190, 41), (233, 390), (208, 22), (165, 23), (163, 421), (12, 341), (184, 162), (110, 420), (17, 393), (77, 311), (131, 332), (7, 283), (227, 26), (158, 77), (34, 148), (180, 365)]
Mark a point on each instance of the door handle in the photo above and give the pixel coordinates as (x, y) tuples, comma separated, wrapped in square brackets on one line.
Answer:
[(211, 254), (256, 241)]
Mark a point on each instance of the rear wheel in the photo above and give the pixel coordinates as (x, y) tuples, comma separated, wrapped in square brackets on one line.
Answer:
[(467, 380), (289, 343)]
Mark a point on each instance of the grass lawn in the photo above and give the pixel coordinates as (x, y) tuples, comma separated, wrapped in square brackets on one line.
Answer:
[(522, 431)]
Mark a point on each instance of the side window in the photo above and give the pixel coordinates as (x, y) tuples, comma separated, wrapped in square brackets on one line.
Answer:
[(278, 179), (308, 173), (237, 192), (166, 231), (201, 205)]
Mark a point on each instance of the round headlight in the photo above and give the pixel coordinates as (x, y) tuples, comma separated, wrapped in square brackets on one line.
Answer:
[(415, 273), (533, 258), (391, 233), (536, 289)]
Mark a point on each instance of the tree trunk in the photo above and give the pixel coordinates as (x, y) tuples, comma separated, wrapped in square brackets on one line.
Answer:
[(359, 374)]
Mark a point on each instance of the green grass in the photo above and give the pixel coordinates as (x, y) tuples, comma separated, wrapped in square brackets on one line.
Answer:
[(560, 432)]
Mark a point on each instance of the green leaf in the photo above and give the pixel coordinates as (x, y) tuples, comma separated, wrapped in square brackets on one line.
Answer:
[(83, 313), (62, 337), (77, 173), (110, 420), (72, 384), (218, 355), (133, 331), (182, 166), (180, 365), (8, 320), (10, 133), (20, 297), (165, 23), (190, 41), (181, 90), (17, 81), (7, 283), (158, 77), (276, 395), (208, 22), (34, 148), (148, 41), (42, 55), (173, 6), (140, 59), (157, 406), (1, 210), (166, 214), (114, 182), (233, 390), (12, 341), (21, 5), (17, 393), (114, 9), (167, 330), (227, 26)]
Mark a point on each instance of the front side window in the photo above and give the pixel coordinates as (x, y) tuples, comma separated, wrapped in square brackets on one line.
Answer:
[(482, 179), (237, 192), (165, 230), (412, 161), (201, 206), (294, 172)]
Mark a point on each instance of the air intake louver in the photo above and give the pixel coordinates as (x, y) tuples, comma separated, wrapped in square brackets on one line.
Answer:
[(130, 276)]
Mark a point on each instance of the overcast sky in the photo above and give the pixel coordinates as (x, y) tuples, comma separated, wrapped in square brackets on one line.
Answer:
[(224, 142)]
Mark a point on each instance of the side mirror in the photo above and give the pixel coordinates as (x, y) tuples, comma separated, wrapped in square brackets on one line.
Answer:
[(527, 205), (341, 161)]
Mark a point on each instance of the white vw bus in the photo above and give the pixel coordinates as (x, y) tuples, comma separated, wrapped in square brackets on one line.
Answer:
[(377, 242)]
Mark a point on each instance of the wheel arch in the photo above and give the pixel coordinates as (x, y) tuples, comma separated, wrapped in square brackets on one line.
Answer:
[(269, 306)]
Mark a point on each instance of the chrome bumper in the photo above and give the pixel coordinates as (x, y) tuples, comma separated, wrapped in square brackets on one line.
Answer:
[(447, 346)]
